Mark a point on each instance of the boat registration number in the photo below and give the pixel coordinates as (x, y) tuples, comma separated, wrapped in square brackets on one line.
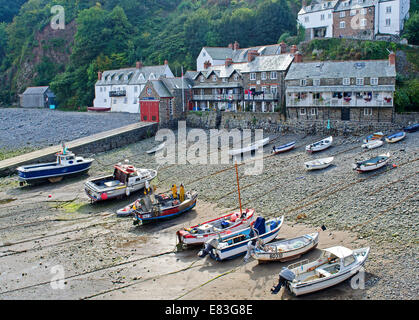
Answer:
[(275, 255), (146, 216)]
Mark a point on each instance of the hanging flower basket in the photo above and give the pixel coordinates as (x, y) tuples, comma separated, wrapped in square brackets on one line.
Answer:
[(347, 99), (368, 99), (388, 100)]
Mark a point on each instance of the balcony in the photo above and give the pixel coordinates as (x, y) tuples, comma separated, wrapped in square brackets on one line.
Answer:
[(120, 93), (262, 97), (353, 102), (217, 97)]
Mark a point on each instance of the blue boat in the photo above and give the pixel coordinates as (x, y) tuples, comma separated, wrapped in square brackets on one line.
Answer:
[(67, 164), (284, 148), (412, 128), (396, 137)]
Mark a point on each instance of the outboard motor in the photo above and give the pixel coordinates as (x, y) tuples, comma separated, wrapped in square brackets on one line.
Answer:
[(285, 276), (207, 248)]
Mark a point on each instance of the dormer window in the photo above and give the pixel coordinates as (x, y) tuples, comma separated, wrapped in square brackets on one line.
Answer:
[(346, 81), (201, 79), (374, 81), (236, 77), (152, 76), (214, 78), (263, 76), (359, 81), (141, 77), (316, 82), (303, 82), (253, 76)]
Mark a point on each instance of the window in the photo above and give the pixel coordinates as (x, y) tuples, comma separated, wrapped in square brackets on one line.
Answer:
[(306, 19), (303, 82), (302, 111), (342, 14), (274, 75), (274, 89), (363, 11), (348, 260), (252, 76), (342, 24), (214, 78), (201, 79), (202, 92), (135, 89), (367, 111), (100, 89), (236, 77), (125, 100), (316, 82), (322, 17), (353, 12), (114, 101), (104, 100), (104, 89), (388, 22), (388, 9), (313, 111), (346, 81), (374, 81), (225, 79), (363, 22), (329, 16), (171, 107), (359, 81), (264, 89), (263, 77)]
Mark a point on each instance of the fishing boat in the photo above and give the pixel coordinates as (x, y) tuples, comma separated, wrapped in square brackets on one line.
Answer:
[(162, 207), (412, 128), (201, 233), (320, 145), (251, 147), (283, 148), (125, 180), (334, 266), (318, 163), (236, 244), (396, 137), (373, 144), (285, 250), (374, 136), (67, 164), (158, 148), (373, 163)]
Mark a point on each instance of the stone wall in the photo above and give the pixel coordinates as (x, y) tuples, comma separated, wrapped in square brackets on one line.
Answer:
[(406, 119), (201, 119), (268, 121)]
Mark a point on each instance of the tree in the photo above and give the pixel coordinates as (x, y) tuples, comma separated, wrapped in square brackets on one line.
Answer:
[(411, 29)]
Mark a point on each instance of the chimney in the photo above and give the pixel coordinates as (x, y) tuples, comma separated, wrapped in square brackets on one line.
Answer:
[(392, 58), (230, 46), (99, 75), (298, 57), (251, 55), (236, 46), (166, 62), (294, 48), (228, 62), (139, 65), (283, 47), (207, 64)]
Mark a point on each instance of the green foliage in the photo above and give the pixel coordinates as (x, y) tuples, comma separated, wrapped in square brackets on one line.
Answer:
[(411, 29), (8, 9), (406, 98)]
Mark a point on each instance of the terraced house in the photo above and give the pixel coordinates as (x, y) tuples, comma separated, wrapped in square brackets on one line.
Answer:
[(341, 90), (119, 89), (256, 84)]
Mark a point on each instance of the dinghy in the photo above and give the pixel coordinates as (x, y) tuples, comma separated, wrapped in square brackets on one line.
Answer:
[(396, 137), (374, 136), (318, 163), (249, 148), (373, 144), (284, 148), (285, 250), (412, 128), (334, 266), (203, 232), (320, 145), (155, 149), (236, 244), (372, 164)]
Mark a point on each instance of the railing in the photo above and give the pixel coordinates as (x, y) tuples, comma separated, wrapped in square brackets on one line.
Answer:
[(339, 103), (217, 97), (266, 96), (120, 93)]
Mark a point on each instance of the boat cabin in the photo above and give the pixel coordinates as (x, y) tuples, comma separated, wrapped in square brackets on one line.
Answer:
[(67, 158), (122, 173)]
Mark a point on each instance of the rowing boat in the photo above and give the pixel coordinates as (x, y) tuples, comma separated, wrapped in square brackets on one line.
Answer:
[(318, 163), (320, 145)]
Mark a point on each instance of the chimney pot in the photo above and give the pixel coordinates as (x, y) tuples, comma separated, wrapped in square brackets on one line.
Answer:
[(298, 57), (228, 62), (251, 55), (99, 75), (166, 62), (230, 46), (392, 58), (207, 64), (283, 47), (294, 48), (139, 65), (236, 46)]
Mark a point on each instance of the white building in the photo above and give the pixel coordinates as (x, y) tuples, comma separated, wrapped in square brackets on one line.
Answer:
[(391, 16), (317, 18), (120, 89)]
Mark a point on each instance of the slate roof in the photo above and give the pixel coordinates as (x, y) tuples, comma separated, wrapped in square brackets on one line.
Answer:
[(131, 76), (165, 86), (341, 69), (36, 90), (318, 6), (354, 4), (240, 55)]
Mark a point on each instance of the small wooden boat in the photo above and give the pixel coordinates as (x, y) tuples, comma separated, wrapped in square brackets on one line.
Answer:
[(373, 144), (125, 180), (320, 145), (99, 109), (158, 148), (67, 164), (334, 266), (412, 128), (372, 164), (396, 137), (251, 147), (199, 234), (284, 148), (374, 136), (285, 250), (162, 207), (319, 163), (236, 244)]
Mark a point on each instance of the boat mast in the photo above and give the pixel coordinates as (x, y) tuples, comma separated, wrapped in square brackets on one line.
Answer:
[(238, 188)]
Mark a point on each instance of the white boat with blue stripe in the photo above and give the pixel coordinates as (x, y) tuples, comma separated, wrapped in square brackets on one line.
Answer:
[(236, 244)]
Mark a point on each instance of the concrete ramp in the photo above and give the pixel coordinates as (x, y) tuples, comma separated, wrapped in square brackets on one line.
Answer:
[(99, 142)]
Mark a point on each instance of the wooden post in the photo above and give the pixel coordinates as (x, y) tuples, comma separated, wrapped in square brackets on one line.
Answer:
[(238, 188)]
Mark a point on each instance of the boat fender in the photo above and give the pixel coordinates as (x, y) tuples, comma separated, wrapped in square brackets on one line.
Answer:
[(104, 196), (128, 192)]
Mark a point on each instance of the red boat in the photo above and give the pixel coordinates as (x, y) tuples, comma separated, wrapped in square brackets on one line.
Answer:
[(229, 223)]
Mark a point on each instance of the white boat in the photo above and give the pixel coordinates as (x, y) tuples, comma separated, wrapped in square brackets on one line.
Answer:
[(158, 148), (373, 144), (319, 163), (396, 137), (374, 136), (237, 243), (334, 266), (320, 145), (285, 250), (284, 148), (249, 148), (373, 163)]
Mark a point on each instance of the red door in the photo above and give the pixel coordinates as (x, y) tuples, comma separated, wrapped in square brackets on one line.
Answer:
[(149, 111)]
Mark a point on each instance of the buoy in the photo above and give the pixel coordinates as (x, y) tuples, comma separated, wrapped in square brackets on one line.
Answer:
[(394, 165), (104, 196), (49, 196)]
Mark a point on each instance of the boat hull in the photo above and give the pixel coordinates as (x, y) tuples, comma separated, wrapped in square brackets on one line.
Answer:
[(396, 138), (320, 145), (320, 164), (284, 148), (412, 128)]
